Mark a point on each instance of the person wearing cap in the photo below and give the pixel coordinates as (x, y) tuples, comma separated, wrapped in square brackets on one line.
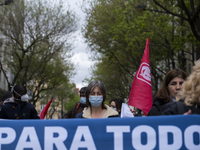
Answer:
[(18, 107)]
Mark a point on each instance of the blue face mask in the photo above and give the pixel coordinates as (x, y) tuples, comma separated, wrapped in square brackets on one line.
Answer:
[(113, 108), (96, 100), (82, 100)]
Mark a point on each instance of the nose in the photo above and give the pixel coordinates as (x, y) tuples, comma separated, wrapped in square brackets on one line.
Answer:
[(178, 86)]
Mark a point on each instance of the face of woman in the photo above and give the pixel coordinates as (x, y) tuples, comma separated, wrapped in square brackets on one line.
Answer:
[(112, 104), (174, 86), (95, 97), (95, 92)]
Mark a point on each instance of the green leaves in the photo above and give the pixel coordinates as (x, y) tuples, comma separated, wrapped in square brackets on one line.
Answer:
[(117, 30), (38, 35)]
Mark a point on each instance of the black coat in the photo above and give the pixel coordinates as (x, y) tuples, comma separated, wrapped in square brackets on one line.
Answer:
[(172, 108), (77, 108), (23, 110), (156, 107)]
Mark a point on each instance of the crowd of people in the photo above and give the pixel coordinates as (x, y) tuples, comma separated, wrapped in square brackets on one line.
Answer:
[(179, 94)]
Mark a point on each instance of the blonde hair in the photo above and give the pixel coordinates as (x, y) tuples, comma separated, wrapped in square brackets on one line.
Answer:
[(191, 87)]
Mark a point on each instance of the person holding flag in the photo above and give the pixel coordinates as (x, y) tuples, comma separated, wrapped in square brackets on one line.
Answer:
[(141, 91)]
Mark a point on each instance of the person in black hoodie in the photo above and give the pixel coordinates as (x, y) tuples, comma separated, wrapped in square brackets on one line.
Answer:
[(188, 102), (170, 88), (19, 108)]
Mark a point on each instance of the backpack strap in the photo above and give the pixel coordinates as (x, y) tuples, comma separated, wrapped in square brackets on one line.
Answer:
[(180, 107), (77, 107)]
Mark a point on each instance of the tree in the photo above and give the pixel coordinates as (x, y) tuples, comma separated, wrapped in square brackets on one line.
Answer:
[(189, 11), (38, 43), (64, 99), (116, 33)]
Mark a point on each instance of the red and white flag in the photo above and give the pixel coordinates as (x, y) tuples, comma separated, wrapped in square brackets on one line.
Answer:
[(45, 109), (141, 91)]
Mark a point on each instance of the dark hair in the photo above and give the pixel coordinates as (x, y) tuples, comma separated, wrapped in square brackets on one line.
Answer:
[(163, 92), (6, 95), (118, 103), (20, 89), (82, 90), (91, 87)]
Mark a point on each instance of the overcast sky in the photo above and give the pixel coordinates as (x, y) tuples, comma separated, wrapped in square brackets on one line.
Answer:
[(80, 53)]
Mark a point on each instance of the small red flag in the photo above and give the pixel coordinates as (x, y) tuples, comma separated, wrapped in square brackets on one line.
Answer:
[(141, 91), (45, 109)]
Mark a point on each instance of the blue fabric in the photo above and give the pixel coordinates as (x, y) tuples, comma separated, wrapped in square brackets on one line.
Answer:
[(172, 98), (80, 115), (154, 132)]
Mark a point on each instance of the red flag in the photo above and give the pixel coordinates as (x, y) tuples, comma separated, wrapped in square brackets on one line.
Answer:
[(45, 109), (141, 91)]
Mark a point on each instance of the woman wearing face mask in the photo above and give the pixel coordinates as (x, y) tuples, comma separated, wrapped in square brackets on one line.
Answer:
[(95, 98), (171, 86), (116, 104), (19, 108)]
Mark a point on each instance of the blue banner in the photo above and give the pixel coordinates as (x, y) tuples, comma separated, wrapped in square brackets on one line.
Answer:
[(141, 133)]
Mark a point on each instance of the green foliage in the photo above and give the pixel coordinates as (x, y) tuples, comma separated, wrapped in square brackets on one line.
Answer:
[(38, 43), (73, 99), (116, 32), (64, 97)]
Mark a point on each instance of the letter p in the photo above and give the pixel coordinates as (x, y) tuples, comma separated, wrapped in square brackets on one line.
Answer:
[(11, 134)]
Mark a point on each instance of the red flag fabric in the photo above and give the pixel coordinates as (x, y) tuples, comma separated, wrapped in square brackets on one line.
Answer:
[(141, 91), (45, 109)]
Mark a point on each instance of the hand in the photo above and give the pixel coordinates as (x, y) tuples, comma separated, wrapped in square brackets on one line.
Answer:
[(188, 113), (133, 111)]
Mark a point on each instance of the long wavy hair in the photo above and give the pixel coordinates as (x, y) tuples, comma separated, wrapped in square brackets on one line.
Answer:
[(191, 87)]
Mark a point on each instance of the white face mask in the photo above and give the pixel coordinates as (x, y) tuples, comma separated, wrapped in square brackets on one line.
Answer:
[(24, 98)]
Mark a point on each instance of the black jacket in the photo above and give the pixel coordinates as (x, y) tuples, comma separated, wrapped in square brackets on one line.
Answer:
[(23, 110), (77, 108), (156, 107), (172, 108)]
